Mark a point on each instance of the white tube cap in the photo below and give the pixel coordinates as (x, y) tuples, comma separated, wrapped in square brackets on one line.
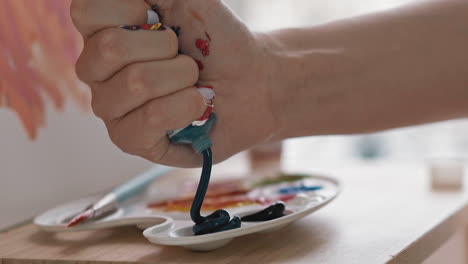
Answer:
[(153, 17)]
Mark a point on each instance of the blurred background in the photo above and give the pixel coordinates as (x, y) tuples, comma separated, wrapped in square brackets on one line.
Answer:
[(71, 148)]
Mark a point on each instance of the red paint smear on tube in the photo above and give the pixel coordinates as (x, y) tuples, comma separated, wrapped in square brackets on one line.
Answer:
[(208, 112)]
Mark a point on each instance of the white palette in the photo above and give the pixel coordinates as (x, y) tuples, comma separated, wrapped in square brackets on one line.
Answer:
[(165, 229)]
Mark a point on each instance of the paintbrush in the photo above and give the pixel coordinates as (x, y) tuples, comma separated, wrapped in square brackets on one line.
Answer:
[(111, 202)]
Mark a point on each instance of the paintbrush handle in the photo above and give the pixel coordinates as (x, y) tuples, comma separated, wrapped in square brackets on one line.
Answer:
[(137, 185)]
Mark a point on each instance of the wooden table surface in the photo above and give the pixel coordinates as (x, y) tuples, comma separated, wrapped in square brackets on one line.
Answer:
[(386, 213)]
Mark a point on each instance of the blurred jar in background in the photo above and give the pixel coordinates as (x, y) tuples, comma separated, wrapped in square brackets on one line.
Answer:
[(265, 160)]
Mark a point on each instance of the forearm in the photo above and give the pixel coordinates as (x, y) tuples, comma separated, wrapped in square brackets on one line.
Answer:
[(401, 67)]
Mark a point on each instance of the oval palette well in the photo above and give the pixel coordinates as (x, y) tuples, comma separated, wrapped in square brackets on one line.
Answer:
[(304, 195)]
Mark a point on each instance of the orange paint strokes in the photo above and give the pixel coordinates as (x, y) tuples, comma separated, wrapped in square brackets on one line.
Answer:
[(197, 16), (38, 48)]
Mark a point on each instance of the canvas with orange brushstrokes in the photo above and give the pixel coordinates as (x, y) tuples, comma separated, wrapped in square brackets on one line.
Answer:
[(38, 49)]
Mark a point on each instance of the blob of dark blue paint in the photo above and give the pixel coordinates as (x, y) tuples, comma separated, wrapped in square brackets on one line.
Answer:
[(270, 213), (216, 222)]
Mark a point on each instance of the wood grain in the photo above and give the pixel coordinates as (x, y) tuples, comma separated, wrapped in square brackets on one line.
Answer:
[(386, 213)]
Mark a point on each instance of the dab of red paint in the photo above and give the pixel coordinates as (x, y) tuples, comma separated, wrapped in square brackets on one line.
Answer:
[(208, 36), (146, 26), (203, 46), (200, 64)]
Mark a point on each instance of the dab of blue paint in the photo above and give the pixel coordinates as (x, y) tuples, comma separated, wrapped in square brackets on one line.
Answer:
[(298, 189)]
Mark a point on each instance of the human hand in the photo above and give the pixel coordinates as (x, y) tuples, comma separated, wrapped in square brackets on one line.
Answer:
[(142, 88)]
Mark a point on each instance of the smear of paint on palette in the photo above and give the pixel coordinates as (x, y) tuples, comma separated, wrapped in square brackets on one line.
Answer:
[(232, 199), (231, 194), (38, 48), (299, 189)]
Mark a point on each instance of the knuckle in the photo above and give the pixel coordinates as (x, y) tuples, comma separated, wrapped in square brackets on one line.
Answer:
[(108, 45), (152, 115), (136, 82), (101, 106)]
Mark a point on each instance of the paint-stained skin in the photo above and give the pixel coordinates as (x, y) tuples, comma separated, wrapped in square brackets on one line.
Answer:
[(204, 46), (200, 64)]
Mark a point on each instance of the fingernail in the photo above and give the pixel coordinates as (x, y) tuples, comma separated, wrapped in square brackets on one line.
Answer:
[(153, 17)]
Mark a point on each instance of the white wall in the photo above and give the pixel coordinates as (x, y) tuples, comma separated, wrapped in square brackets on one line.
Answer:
[(71, 158)]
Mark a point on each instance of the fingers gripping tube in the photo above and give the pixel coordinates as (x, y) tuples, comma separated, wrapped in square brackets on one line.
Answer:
[(198, 135)]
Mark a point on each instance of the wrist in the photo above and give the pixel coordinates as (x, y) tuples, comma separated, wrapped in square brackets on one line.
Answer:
[(276, 63), (292, 81), (307, 91)]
